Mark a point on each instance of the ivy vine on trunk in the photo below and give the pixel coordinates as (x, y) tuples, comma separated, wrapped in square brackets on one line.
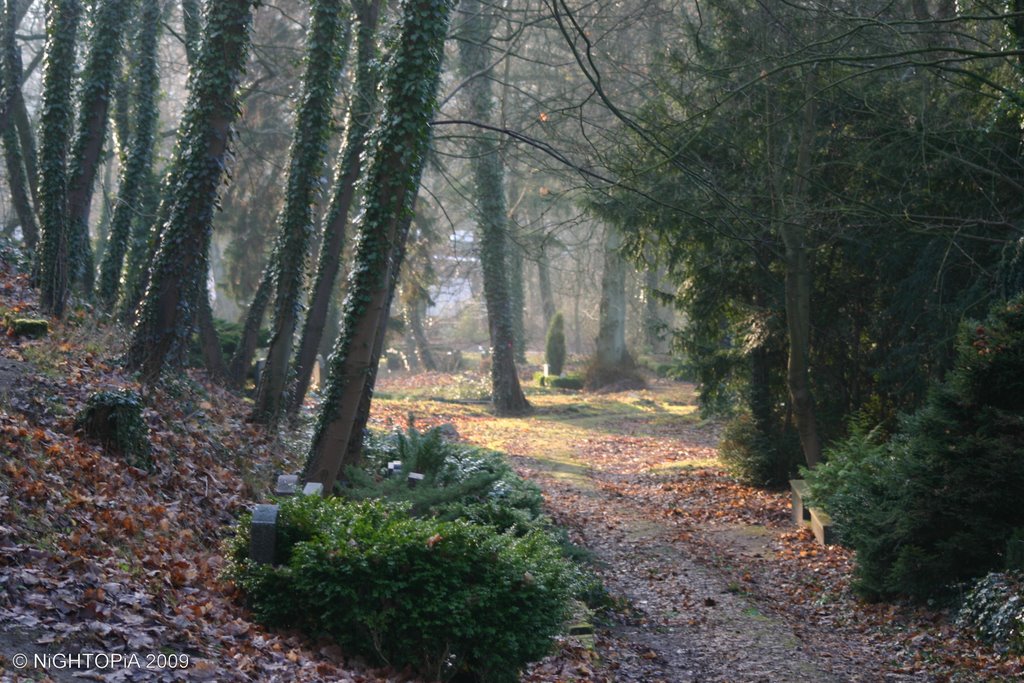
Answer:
[(360, 120), (97, 87), (326, 46), (137, 156), (492, 224), (167, 313), (392, 180), (55, 122), (10, 95)]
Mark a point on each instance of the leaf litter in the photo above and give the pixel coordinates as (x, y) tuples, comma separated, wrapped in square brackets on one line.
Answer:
[(710, 581)]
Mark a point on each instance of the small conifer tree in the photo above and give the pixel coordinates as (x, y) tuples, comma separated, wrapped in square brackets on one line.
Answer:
[(554, 348)]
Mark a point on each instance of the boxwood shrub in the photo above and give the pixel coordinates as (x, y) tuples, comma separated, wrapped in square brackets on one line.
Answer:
[(440, 597)]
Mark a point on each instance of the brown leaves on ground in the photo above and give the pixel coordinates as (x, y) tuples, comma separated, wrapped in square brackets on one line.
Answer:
[(636, 477), (98, 556)]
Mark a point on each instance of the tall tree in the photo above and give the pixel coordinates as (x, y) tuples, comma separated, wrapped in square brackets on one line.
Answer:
[(350, 162), (166, 316), (326, 47), (547, 298), (136, 153), (612, 356), (55, 124), (392, 181), (96, 91), (492, 223), (10, 92)]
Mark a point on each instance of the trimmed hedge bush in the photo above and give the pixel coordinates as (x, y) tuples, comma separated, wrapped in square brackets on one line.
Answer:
[(554, 345), (442, 598)]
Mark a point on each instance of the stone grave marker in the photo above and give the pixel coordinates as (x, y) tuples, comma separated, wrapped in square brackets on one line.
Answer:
[(263, 535), (286, 484)]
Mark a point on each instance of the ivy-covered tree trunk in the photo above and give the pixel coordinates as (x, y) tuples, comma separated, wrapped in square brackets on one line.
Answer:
[(326, 47), (415, 309), (392, 181), (10, 94), (167, 313), (137, 153), (360, 120), (547, 297), (238, 367), (362, 417), (517, 299), (192, 22), (140, 252), (97, 89), (492, 223), (611, 358), (55, 122)]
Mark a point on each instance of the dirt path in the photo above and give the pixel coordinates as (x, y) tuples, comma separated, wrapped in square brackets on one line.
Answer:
[(610, 469)]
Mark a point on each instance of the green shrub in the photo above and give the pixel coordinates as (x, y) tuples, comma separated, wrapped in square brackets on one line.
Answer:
[(442, 598), (554, 346), (849, 484), (460, 482), (573, 382), (755, 458), (993, 611), (115, 419), (937, 504)]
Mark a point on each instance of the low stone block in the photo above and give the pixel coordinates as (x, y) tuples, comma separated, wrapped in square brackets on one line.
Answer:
[(800, 492), (313, 488), (821, 525), (286, 484), (263, 534)]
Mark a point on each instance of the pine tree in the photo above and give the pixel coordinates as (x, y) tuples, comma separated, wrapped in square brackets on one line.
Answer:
[(554, 347)]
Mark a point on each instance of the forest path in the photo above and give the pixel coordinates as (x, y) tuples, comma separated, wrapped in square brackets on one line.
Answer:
[(635, 478)]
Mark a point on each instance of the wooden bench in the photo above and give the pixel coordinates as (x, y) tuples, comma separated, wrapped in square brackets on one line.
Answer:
[(815, 518)]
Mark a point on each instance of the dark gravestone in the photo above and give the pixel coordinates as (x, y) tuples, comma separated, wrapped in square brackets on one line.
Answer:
[(263, 534), (414, 479)]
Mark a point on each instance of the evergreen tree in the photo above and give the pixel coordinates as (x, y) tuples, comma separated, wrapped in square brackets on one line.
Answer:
[(326, 47), (167, 312), (393, 176), (554, 346)]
